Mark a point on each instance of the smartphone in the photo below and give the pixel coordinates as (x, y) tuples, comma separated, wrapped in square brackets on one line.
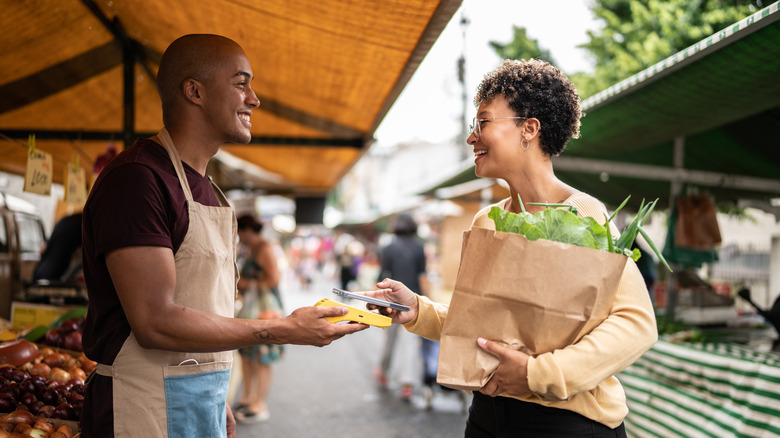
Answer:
[(371, 300)]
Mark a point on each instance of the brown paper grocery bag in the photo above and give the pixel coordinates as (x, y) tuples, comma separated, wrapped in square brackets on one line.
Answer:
[(532, 296)]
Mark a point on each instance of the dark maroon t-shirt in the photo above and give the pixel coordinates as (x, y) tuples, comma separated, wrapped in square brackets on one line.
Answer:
[(136, 201)]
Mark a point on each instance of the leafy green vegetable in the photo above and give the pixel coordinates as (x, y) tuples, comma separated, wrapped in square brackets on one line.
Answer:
[(36, 333), (566, 227)]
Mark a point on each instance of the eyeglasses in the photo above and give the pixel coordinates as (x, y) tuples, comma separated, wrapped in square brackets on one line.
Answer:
[(476, 123)]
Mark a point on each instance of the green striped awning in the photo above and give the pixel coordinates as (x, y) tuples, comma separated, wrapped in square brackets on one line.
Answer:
[(714, 390)]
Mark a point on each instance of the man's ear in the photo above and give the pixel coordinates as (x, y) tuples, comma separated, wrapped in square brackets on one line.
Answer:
[(192, 90)]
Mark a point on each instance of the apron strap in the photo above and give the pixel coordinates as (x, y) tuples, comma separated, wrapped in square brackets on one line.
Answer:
[(167, 143), (104, 370), (220, 196)]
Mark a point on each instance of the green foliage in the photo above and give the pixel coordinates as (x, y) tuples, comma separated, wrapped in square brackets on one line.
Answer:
[(739, 213), (521, 47), (676, 331), (638, 34), (635, 35)]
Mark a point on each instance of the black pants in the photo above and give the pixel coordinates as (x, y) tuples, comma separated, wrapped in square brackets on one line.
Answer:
[(504, 417)]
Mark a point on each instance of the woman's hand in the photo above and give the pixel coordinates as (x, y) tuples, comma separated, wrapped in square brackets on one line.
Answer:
[(511, 376), (396, 292)]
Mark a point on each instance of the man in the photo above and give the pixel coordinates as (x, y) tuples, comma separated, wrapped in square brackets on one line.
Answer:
[(159, 260)]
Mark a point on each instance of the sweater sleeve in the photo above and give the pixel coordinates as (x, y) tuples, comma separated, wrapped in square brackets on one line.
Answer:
[(430, 319), (628, 331)]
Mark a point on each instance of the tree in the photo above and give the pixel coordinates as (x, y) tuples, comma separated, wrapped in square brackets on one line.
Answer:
[(637, 34), (521, 47)]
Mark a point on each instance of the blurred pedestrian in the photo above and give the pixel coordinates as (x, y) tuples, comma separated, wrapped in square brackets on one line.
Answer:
[(259, 288), (61, 258), (403, 258)]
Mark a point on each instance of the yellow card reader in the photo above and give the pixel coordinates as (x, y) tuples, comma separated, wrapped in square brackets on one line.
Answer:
[(355, 314)]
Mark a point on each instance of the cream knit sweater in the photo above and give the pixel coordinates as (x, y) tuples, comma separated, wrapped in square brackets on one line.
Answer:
[(580, 377)]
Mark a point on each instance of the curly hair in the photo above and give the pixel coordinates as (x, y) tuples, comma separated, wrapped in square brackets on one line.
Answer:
[(536, 89)]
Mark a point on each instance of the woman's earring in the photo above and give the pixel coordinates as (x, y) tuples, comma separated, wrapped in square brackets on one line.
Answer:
[(526, 145)]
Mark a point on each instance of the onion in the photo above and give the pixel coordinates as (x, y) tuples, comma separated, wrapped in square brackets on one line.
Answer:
[(59, 375), (46, 411), (55, 360), (37, 433), (7, 403), (78, 374), (19, 416), (22, 428), (64, 411), (46, 424), (41, 369)]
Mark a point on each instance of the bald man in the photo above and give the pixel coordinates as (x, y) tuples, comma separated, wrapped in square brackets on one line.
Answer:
[(159, 262)]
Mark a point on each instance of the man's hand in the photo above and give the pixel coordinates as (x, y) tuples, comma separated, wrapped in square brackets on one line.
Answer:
[(511, 376), (308, 326), (396, 292), (231, 422)]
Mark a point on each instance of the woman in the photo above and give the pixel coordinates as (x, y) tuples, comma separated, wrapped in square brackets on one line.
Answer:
[(527, 111), (258, 284)]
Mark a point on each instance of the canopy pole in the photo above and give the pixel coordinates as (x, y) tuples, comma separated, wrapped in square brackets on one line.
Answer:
[(678, 161), (128, 128)]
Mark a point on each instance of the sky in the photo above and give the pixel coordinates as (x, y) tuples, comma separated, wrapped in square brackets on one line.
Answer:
[(430, 107)]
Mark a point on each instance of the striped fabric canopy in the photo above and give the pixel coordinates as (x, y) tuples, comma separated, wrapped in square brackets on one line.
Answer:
[(709, 390)]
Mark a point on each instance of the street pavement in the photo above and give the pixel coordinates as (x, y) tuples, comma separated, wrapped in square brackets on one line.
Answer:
[(331, 391)]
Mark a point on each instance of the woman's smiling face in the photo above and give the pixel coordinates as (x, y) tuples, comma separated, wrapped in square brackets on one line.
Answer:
[(498, 143)]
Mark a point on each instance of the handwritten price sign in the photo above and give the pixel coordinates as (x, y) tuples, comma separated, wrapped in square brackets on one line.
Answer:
[(75, 185), (37, 176)]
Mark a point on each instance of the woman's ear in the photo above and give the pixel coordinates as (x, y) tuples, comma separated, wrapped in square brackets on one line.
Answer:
[(192, 90), (532, 127)]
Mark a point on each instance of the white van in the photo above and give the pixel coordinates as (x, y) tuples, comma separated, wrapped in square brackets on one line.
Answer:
[(22, 236)]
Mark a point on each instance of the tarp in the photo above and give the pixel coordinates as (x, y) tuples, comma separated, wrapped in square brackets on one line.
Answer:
[(326, 73)]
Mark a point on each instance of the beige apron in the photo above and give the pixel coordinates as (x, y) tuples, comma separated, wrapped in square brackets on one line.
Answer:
[(171, 394)]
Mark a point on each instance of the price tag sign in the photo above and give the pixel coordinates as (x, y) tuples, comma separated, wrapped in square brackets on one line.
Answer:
[(37, 175), (75, 185)]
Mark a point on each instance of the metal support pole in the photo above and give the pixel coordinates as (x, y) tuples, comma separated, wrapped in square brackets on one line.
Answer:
[(676, 190), (128, 104)]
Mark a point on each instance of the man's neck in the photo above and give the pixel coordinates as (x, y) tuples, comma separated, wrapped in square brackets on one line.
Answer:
[(196, 152)]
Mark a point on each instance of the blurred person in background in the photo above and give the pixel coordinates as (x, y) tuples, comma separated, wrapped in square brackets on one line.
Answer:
[(61, 258), (403, 259), (258, 285)]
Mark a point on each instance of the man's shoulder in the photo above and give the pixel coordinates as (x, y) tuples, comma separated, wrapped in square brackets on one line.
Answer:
[(144, 161), (144, 152)]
